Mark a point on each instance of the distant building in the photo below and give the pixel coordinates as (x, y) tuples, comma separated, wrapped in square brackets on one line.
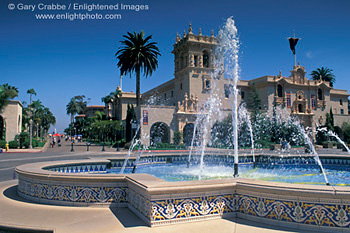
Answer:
[(175, 104), (118, 107), (90, 110), (81, 116), (11, 120)]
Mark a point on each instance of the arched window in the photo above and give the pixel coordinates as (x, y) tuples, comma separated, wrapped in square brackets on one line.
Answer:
[(205, 59), (279, 91), (182, 62), (207, 84), (320, 94), (196, 63)]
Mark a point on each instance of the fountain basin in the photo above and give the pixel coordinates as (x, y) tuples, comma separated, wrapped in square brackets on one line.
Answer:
[(160, 202)]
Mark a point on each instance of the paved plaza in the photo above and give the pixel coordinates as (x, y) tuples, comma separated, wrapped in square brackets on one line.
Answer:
[(18, 213)]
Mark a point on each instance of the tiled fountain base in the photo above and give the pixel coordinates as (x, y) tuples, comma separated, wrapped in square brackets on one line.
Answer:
[(159, 202)]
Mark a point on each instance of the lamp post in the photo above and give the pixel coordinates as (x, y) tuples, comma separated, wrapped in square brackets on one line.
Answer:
[(30, 131)]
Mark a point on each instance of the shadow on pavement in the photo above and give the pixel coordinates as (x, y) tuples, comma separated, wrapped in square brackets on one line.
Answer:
[(127, 218), (11, 193), (266, 226)]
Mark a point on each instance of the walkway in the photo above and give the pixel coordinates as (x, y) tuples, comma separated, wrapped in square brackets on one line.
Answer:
[(17, 213)]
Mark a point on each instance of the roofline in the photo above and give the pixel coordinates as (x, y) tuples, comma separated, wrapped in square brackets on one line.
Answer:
[(16, 101)]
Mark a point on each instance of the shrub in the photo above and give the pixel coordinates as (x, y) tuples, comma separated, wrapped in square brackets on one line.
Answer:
[(22, 138), (177, 137), (127, 145), (2, 144), (169, 146), (25, 144), (35, 143), (41, 144), (13, 144)]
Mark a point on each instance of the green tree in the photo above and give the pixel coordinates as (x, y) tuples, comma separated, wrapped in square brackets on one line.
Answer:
[(254, 102), (113, 96), (99, 116), (31, 92), (76, 105), (137, 54), (346, 131), (330, 120), (107, 100), (7, 93), (177, 137), (130, 116), (325, 74)]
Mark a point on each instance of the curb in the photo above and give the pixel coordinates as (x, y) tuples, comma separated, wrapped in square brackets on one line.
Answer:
[(43, 149)]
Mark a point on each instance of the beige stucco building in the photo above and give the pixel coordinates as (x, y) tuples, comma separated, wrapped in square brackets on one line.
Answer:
[(175, 104), (11, 118)]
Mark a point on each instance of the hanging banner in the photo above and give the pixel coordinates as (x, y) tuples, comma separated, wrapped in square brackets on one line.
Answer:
[(313, 102), (145, 117), (289, 102), (292, 43)]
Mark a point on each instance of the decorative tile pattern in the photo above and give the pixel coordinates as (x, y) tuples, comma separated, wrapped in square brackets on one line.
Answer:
[(192, 207), (82, 168), (70, 193), (311, 211), (318, 214), (140, 203)]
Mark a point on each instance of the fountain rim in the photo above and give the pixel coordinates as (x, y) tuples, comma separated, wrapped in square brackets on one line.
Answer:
[(37, 170)]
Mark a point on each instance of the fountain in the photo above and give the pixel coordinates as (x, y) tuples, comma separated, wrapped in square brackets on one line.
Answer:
[(196, 192), (332, 134)]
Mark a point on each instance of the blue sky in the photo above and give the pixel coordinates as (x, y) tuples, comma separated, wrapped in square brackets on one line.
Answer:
[(61, 58)]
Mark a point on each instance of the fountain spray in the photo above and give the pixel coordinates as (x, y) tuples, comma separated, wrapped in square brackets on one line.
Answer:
[(228, 51)]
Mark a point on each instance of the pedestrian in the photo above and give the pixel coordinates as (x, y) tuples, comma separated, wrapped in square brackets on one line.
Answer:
[(59, 142)]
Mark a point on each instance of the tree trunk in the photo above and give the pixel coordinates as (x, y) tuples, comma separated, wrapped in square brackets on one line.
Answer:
[(137, 87)]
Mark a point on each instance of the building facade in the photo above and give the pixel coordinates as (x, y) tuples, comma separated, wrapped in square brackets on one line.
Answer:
[(90, 110), (175, 104), (11, 119)]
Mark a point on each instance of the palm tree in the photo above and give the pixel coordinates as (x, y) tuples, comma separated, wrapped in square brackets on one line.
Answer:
[(31, 92), (116, 94), (137, 54), (73, 107), (107, 99), (324, 74), (7, 93), (37, 107), (47, 119)]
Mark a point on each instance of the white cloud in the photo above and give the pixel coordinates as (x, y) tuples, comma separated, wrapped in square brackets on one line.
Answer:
[(309, 55)]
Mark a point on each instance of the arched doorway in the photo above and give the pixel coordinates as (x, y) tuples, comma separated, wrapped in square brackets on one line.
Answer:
[(188, 134), (159, 133), (2, 128), (300, 108), (279, 91)]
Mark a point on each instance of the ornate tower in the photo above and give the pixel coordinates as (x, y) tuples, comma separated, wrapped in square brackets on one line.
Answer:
[(193, 64)]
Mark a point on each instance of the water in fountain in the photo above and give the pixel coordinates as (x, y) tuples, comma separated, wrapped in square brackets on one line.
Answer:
[(227, 51), (134, 142), (141, 143), (332, 134), (212, 105), (244, 117), (192, 143), (312, 149), (226, 62), (285, 116)]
